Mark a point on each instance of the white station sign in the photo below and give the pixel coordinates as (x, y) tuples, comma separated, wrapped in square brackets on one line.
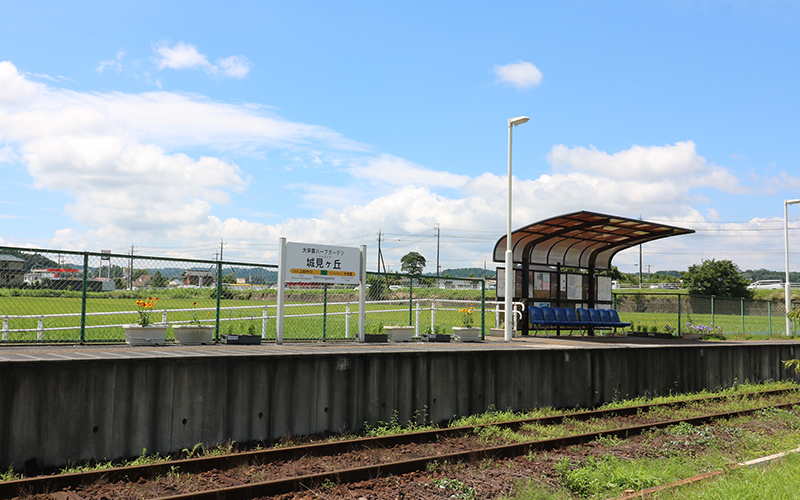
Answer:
[(313, 263)]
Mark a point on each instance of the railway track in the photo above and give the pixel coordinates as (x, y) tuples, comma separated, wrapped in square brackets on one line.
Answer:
[(74, 481)]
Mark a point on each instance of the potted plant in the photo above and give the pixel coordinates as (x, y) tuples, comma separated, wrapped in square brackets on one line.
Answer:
[(466, 332), (249, 338), (376, 333), (194, 332), (145, 332), (399, 333), (435, 333)]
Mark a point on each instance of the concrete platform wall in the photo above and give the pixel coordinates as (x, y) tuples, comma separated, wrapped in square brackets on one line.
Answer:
[(56, 412)]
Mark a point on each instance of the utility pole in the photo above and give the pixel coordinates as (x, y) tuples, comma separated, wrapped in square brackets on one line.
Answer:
[(221, 245)]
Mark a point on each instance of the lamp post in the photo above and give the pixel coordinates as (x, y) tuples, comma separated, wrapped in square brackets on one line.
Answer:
[(787, 286), (509, 315)]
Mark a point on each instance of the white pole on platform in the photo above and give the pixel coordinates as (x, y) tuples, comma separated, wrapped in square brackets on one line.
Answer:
[(787, 286), (281, 290), (512, 122), (362, 294)]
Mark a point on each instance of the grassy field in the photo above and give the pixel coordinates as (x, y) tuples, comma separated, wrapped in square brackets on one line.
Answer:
[(243, 312), (303, 319)]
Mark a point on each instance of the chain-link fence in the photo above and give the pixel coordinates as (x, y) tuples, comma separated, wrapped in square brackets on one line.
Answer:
[(51, 296), (681, 313)]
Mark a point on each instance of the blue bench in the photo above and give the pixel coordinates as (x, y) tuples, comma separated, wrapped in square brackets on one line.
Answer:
[(546, 318)]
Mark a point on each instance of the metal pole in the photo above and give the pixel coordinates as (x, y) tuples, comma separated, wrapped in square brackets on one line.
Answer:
[(84, 288), (324, 309), (509, 289), (362, 294), (509, 255), (282, 290), (787, 286)]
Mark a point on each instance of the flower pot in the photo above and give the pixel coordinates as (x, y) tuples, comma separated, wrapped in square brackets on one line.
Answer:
[(435, 337), (467, 334), (399, 333), (691, 336), (241, 339), (146, 335), (193, 334), (376, 337)]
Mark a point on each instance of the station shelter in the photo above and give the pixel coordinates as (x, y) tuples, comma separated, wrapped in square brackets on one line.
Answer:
[(564, 261)]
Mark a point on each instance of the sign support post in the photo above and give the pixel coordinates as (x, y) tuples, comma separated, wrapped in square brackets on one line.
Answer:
[(281, 290), (362, 294)]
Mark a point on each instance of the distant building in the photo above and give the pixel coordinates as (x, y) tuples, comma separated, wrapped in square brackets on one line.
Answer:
[(142, 281), (193, 277), (12, 272), (36, 276)]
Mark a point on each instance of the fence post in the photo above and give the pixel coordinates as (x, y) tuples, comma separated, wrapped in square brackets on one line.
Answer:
[(433, 316), (347, 320), (5, 329), (483, 309), (219, 297), (324, 309), (769, 316), (496, 315), (410, 298), (713, 308), (264, 321), (679, 316), (84, 287), (742, 310), (417, 322), (164, 317), (40, 331)]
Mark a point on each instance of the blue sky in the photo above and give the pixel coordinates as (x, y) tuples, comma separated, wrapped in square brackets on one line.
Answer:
[(174, 126)]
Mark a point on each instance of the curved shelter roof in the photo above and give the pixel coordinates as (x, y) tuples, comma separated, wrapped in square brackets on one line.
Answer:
[(581, 239)]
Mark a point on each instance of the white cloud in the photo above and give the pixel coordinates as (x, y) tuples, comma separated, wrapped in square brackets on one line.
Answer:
[(520, 74), (234, 66), (15, 89), (120, 156), (182, 56), (393, 171), (667, 164), (186, 56), (115, 63)]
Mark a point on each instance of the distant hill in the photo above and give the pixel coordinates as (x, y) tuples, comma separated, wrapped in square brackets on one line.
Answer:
[(466, 272)]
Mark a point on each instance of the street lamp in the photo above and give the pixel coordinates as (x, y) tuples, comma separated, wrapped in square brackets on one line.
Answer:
[(787, 287), (509, 254)]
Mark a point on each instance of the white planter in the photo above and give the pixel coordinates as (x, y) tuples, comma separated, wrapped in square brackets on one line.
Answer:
[(472, 334), (145, 335), (691, 336), (193, 334), (399, 333)]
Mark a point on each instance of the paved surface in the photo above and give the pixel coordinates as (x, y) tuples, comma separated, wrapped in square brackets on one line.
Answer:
[(23, 353)]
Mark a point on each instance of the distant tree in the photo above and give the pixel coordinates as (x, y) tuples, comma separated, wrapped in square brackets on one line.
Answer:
[(616, 274), (229, 278), (716, 277), (412, 263), (158, 281)]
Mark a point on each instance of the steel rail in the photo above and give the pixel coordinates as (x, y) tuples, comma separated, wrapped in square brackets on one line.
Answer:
[(288, 485), (57, 482)]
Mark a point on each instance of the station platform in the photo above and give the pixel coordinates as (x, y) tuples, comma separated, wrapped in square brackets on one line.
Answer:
[(64, 403)]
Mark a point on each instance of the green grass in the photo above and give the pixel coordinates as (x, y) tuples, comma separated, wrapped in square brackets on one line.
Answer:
[(775, 481)]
